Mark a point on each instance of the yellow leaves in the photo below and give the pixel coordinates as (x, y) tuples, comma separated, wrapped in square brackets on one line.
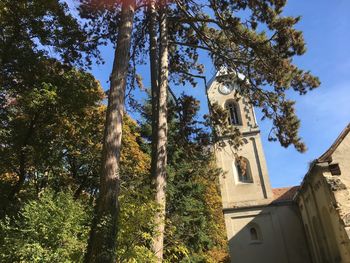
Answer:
[(133, 159), (216, 255), (146, 236), (177, 251), (217, 225), (10, 178)]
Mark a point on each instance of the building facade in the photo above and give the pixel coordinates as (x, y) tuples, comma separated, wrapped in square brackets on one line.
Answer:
[(282, 224), (324, 203)]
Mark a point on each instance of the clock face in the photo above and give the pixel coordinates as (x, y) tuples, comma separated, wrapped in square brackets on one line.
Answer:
[(226, 89)]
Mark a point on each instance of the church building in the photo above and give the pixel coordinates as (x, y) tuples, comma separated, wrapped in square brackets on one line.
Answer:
[(300, 224)]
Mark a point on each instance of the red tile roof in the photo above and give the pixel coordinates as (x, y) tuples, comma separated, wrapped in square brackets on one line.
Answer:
[(284, 193)]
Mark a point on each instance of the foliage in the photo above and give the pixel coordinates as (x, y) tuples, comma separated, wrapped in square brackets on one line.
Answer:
[(195, 215), (137, 206), (53, 228), (33, 30), (40, 126), (137, 211), (252, 43), (51, 117), (136, 199), (195, 229), (42, 96)]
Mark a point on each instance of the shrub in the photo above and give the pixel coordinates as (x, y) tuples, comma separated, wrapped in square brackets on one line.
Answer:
[(53, 228)]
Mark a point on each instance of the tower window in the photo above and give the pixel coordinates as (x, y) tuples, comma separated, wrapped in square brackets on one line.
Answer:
[(243, 169), (233, 116)]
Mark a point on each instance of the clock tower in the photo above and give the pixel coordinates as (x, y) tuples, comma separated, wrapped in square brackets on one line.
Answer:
[(245, 181), (262, 225)]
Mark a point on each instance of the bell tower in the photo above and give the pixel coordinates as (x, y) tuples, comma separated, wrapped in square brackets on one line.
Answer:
[(245, 181)]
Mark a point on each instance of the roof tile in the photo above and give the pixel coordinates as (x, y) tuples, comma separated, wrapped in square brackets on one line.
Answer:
[(284, 193)]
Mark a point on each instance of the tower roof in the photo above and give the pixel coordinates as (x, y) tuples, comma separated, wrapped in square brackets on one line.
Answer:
[(222, 72)]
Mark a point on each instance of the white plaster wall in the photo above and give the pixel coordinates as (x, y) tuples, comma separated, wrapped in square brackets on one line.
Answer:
[(293, 233), (282, 235), (234, 192)]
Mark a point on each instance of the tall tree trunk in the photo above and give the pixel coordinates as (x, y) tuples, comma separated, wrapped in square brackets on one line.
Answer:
[(154, 79), (161, 161), (102, 242)]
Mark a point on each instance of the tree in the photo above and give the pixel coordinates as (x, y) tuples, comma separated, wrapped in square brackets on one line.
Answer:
[(136, 198), (102, 242), (248, 56), (32, 31), (255, 44), (162, 129), (54, 224), (194, 203), (37, 126), (194, 230), (153, 58), (35, 37), (256, 50)]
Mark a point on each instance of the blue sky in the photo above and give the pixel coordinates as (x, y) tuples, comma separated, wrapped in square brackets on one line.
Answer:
[(323, 112), (326, 111)]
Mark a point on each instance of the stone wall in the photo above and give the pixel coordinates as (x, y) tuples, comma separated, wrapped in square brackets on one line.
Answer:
[(341, 156), (324, 204)]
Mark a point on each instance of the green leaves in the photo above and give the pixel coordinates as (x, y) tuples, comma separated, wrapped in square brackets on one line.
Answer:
[(41, 125), (53, 228), (253, 39), (193, 216), (32, 29)]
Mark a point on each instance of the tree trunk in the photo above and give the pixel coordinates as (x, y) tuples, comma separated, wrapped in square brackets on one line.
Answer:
[(5, 206), (161, 160), (154, 79), (102, 243), (22, 173), (21, 176)]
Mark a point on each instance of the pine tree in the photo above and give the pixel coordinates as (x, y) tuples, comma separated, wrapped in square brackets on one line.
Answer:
[(104, 231), (194, 229), (255, 44), (161, 140), (194, 214), (255, 49)]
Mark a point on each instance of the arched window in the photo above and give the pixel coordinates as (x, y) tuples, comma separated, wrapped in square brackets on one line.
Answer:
[(243, 170), (254, 233), (233, 113)]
